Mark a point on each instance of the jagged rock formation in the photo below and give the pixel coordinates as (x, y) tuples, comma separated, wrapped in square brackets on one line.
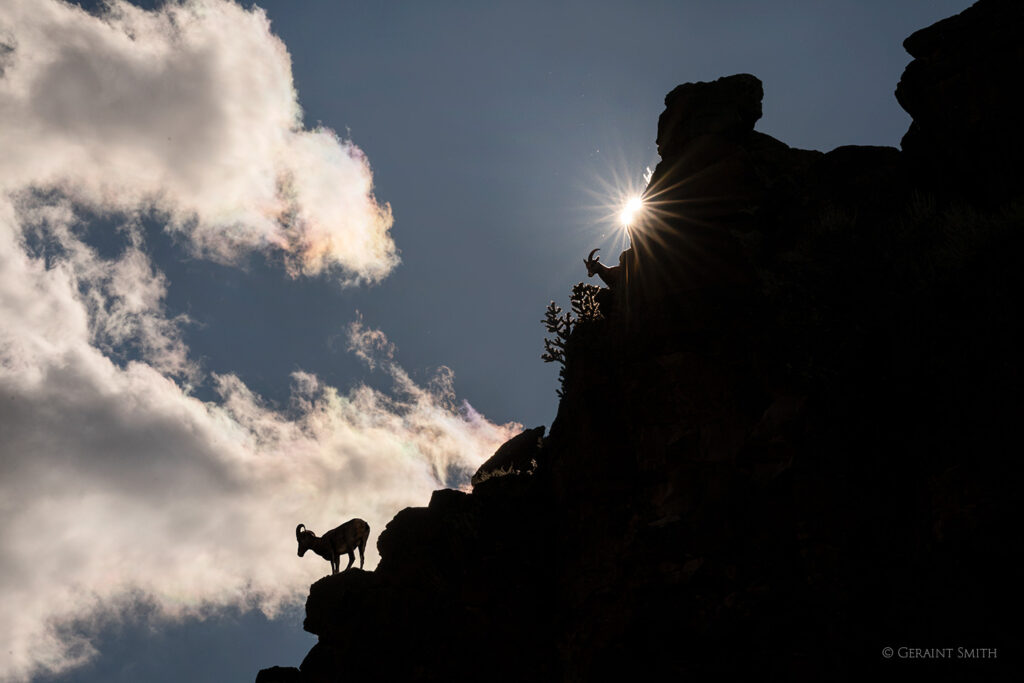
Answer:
[(966, 134), (786, 446)]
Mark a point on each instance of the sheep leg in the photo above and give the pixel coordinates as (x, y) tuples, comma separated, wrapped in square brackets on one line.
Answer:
[(351, 559)]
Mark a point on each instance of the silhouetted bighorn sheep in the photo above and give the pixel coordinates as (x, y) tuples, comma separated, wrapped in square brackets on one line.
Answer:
[(610, 275), (346, 538)]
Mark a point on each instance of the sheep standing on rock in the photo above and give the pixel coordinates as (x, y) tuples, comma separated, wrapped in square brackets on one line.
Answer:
[(343, 539)]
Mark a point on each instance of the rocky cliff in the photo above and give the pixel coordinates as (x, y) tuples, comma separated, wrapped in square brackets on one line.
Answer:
[(788, 442)]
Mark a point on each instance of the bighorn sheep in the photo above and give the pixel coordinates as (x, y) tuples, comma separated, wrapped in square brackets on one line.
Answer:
[(344, 539), (610, 275)]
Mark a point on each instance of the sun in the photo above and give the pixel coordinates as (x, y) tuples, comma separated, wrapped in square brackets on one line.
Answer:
[(630, 211), (622, 203)]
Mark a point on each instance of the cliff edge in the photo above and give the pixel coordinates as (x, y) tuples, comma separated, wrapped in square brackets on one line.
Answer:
[(786, 445)]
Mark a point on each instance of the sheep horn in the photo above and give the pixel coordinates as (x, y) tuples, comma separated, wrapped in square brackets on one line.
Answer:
[(590, 257), (298, 530)]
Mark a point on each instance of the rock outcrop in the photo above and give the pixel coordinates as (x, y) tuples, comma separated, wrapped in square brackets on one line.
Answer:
[(521, 454), (966, 136), (786, 446)]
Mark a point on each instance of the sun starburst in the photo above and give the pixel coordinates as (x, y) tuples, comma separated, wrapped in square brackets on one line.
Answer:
[(631, 210)]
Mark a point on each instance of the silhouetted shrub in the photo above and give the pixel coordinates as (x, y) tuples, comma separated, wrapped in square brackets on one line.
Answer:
[(560, 325), (583, 301)]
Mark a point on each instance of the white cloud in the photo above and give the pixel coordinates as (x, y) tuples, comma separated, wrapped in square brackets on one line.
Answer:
[(115, 481), (191, 109)]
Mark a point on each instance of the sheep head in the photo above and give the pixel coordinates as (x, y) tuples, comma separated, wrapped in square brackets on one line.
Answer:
[(591, 262), (305, 537)]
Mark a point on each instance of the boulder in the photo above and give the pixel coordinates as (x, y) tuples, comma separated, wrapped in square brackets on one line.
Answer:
[(521, 453)]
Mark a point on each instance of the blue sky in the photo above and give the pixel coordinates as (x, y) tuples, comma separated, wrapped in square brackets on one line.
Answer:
[(497, 133)]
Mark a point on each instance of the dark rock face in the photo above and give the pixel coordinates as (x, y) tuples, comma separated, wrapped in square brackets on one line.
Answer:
[(787, 446), (966, 134), (706, 175)]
